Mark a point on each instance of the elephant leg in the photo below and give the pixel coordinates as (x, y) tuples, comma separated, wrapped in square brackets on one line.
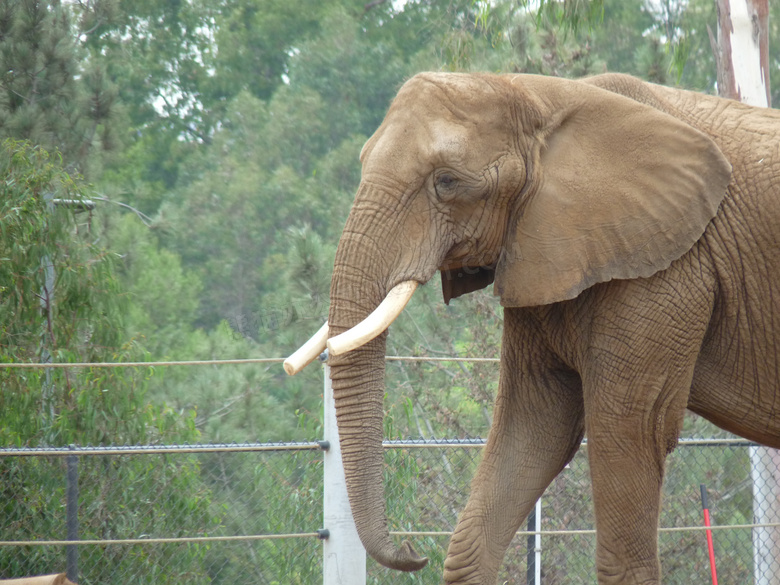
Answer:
[(635, 388), (627, 465), (537, 428)]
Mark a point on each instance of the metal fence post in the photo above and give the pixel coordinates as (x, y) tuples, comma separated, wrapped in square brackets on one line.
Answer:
[(344, 558), (534, 546), (72, 515), (764, 465)]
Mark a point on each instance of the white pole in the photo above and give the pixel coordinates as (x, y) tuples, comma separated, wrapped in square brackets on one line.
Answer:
[(538, 543), (344, 558), (766, 508)]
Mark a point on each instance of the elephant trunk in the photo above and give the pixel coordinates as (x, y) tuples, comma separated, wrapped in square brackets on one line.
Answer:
[(358, 389)]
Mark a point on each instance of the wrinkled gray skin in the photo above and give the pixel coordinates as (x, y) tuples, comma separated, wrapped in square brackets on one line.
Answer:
[(632, 234)]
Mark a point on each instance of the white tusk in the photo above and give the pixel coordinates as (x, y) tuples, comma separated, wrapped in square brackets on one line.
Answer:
[(308, 352), (376, 322)]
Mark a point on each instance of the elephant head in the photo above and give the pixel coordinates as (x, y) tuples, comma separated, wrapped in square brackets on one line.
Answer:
[(544, 186)]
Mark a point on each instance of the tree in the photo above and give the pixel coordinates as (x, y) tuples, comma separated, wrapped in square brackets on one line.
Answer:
[(48, 94), (59, 293)]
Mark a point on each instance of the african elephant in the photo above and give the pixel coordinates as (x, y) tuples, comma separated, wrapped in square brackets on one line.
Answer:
[(632, 233)]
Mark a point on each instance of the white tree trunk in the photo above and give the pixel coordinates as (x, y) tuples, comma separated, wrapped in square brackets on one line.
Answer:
[(743, 74), (743, 51)]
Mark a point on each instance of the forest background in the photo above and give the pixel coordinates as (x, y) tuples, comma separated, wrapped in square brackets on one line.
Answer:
[(219, 141)]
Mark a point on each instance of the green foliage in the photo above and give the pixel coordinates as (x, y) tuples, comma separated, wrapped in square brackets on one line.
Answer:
[(571, 15), (120, 497), (256, 41), (61, 300), (275, 493), (49, 94), (57, 289)]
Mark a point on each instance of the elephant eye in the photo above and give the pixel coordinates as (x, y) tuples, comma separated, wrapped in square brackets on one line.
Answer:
[(444, 184)]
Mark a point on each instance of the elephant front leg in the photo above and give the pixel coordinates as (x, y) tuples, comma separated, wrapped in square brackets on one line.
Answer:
[(633, 418), (537, 429)]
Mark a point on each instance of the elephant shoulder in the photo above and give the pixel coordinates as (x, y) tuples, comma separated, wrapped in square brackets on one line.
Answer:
[(626, 85)]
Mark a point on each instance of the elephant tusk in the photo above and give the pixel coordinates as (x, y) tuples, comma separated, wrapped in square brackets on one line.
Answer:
[(387, 312), (308, 352)]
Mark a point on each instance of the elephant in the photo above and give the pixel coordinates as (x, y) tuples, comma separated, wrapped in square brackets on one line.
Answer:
[(632, 234)]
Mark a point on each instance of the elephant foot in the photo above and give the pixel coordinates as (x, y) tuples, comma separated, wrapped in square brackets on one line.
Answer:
[(468, 561), (617, 573), (612, 580), (456, 574)]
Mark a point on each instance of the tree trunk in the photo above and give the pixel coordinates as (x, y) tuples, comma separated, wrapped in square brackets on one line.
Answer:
[(743, 51)]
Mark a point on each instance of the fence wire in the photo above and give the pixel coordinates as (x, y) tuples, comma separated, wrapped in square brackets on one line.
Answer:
[(214, 493)]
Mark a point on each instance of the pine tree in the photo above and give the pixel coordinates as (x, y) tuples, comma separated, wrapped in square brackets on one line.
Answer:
[(49, 94)]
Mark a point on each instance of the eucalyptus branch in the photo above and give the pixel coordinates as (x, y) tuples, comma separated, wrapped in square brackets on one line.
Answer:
[(145, 219), (197, 134), (372, 4), (99, 22)]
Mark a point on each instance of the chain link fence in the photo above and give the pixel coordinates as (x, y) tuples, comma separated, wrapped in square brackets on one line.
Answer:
[(221, 502)]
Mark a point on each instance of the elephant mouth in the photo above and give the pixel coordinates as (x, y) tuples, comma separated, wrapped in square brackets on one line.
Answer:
[(372, 326)]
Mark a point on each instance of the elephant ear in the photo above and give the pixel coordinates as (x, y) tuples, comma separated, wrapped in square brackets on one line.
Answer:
[(620, 191)]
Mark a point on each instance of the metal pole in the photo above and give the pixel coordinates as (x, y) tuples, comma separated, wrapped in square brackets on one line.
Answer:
[(344, 558), (47, 311), (530, 558), (538, 543), (72, 516), (47, 308), (533, 571), (764, 465)]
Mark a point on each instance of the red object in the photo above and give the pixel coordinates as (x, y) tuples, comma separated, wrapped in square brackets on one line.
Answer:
[(710, 548)]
